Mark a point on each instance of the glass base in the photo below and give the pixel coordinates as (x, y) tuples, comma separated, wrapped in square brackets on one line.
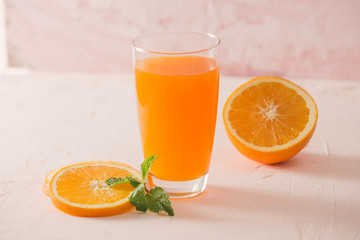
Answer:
[(181, 189)]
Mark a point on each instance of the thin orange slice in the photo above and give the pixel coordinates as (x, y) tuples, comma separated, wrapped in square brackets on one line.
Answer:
[(49, 176), (270, 119), (46, 184), (81, 190)]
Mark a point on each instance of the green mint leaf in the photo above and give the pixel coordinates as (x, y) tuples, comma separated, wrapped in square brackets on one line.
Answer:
[(138, 198), (134, 181), (145, 166), (158, 200), (114, 181), (153, 204)]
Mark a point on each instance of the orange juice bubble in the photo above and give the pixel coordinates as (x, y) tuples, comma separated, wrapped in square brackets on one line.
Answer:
[(177, 107), (177, 84)]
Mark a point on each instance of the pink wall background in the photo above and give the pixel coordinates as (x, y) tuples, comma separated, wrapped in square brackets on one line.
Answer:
[(298, 38)]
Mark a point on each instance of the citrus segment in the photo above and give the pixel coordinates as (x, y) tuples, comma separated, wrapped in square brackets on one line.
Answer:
[(81, 189), (270, 119)]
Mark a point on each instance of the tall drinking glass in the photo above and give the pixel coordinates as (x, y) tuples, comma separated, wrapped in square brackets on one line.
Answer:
[(177, 85)]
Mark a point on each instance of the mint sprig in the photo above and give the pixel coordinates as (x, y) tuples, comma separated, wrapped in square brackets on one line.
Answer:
[(155, 199)]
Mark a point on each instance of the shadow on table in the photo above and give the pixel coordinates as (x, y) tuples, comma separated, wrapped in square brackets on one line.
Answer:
[(221, 203), (327, 166)]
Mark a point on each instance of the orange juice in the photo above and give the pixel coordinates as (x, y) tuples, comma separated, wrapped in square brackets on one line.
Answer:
[(177, 106)]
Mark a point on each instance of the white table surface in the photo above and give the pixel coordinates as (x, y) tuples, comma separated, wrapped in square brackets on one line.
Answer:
[(49, 120)]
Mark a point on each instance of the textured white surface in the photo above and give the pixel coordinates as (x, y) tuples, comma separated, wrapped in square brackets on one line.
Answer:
[(50, 120)]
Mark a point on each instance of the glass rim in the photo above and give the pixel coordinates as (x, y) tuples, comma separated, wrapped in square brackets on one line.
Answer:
[(140, 49)]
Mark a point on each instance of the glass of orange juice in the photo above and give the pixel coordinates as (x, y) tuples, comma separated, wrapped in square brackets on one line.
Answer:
[(177, 85)]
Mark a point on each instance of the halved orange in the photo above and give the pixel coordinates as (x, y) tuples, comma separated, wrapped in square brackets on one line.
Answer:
[(270, 119), (81, 190)]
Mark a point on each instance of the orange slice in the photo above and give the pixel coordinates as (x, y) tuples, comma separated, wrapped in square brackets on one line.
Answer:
[(49, 176), (81, 190), (270, 119)]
